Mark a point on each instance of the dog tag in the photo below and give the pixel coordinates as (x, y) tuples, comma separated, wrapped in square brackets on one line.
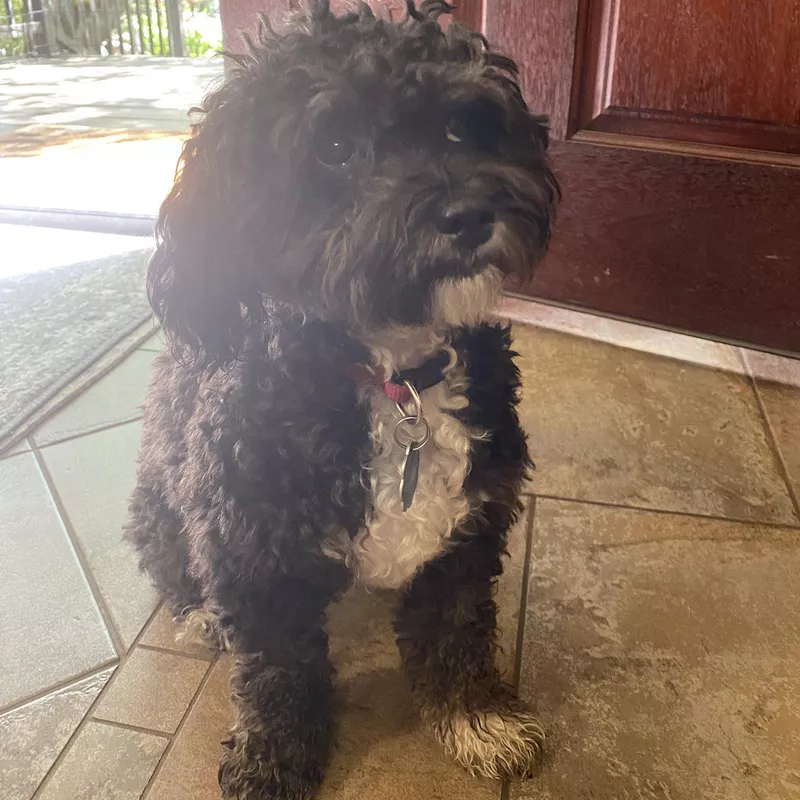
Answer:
[(408, 483)]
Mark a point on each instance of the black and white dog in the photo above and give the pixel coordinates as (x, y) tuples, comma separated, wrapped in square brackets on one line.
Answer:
[(338, 404)]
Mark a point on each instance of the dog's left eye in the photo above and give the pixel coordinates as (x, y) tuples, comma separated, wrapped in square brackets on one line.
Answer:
[(456, 130), (335, 151)]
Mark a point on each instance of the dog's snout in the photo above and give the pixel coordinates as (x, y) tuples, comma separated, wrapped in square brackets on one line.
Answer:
[(468, 220)]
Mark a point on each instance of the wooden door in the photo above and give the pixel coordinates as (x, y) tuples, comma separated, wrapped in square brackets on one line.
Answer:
[(677, 143)]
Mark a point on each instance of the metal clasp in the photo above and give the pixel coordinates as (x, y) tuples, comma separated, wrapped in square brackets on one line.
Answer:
[(416, 400)]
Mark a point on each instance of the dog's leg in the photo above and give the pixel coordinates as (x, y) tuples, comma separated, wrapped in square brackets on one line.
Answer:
[(447, 639), (283, 688), (157, 534)]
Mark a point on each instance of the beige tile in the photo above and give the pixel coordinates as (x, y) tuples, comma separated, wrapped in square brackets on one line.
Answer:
[(662, 652), (161, 632), (382, 750), (618, 426), (51, 626), (115, 398), (190, 770), (106, 763), (33, 735), (94, 476), (680, 346), (152, 690)]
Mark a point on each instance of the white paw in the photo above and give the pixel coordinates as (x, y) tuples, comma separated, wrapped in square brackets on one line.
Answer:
[(201, 626), (494, 744)]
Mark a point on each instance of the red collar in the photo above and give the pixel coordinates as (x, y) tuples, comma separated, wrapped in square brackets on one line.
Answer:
[(428, 374)]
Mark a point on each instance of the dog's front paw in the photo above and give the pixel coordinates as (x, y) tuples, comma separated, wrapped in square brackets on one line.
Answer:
[(252, 770), (501, 742), (201, 625)]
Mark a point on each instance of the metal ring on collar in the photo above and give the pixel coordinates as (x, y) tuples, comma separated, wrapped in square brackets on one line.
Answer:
[(416, 444), (416, 399)]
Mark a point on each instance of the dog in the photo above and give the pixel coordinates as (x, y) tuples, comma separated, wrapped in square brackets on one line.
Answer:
[(338, 403)]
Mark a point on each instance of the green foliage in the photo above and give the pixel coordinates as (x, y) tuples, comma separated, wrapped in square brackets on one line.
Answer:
[(12, 47), (136, 25), (210, 7), (196, 45)]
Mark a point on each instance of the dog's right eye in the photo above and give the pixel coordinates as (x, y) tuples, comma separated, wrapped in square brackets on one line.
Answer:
[(478, 125), (335, 151)]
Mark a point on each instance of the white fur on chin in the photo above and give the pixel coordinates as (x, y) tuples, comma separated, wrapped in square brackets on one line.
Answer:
[(467, 301)]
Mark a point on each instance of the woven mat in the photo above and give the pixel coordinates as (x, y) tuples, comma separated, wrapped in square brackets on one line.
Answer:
[(61, 329)]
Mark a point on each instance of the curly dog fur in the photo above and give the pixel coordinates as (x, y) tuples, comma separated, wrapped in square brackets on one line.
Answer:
[(354, 193)]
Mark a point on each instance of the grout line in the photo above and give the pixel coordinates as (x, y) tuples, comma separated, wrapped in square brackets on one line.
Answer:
[(740, 354), (100, 429), (646, 510), (112, 723), (769, 433), (87, 717), (94, 587), (60, 686), (193, 656), (192, 703), (530, 516), (24, 443), (526, 574)]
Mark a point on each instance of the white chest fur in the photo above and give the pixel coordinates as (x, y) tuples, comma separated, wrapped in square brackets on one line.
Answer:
[(396, 543)]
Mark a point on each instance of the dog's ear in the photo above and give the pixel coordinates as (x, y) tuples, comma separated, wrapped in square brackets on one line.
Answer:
[(224, 229), (196, 282)]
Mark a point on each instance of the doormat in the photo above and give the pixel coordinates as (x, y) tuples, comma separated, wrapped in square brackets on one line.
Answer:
[(61, 329)]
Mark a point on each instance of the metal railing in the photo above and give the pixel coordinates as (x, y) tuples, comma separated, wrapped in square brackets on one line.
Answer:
[(91, 27)]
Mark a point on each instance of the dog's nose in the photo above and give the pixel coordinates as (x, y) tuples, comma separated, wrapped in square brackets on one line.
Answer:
[(469, 221)]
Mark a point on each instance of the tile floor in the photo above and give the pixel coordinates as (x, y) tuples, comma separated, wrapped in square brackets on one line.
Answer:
[(650, 608)]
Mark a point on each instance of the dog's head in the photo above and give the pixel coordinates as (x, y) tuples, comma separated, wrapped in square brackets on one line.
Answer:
[(348, 167)]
